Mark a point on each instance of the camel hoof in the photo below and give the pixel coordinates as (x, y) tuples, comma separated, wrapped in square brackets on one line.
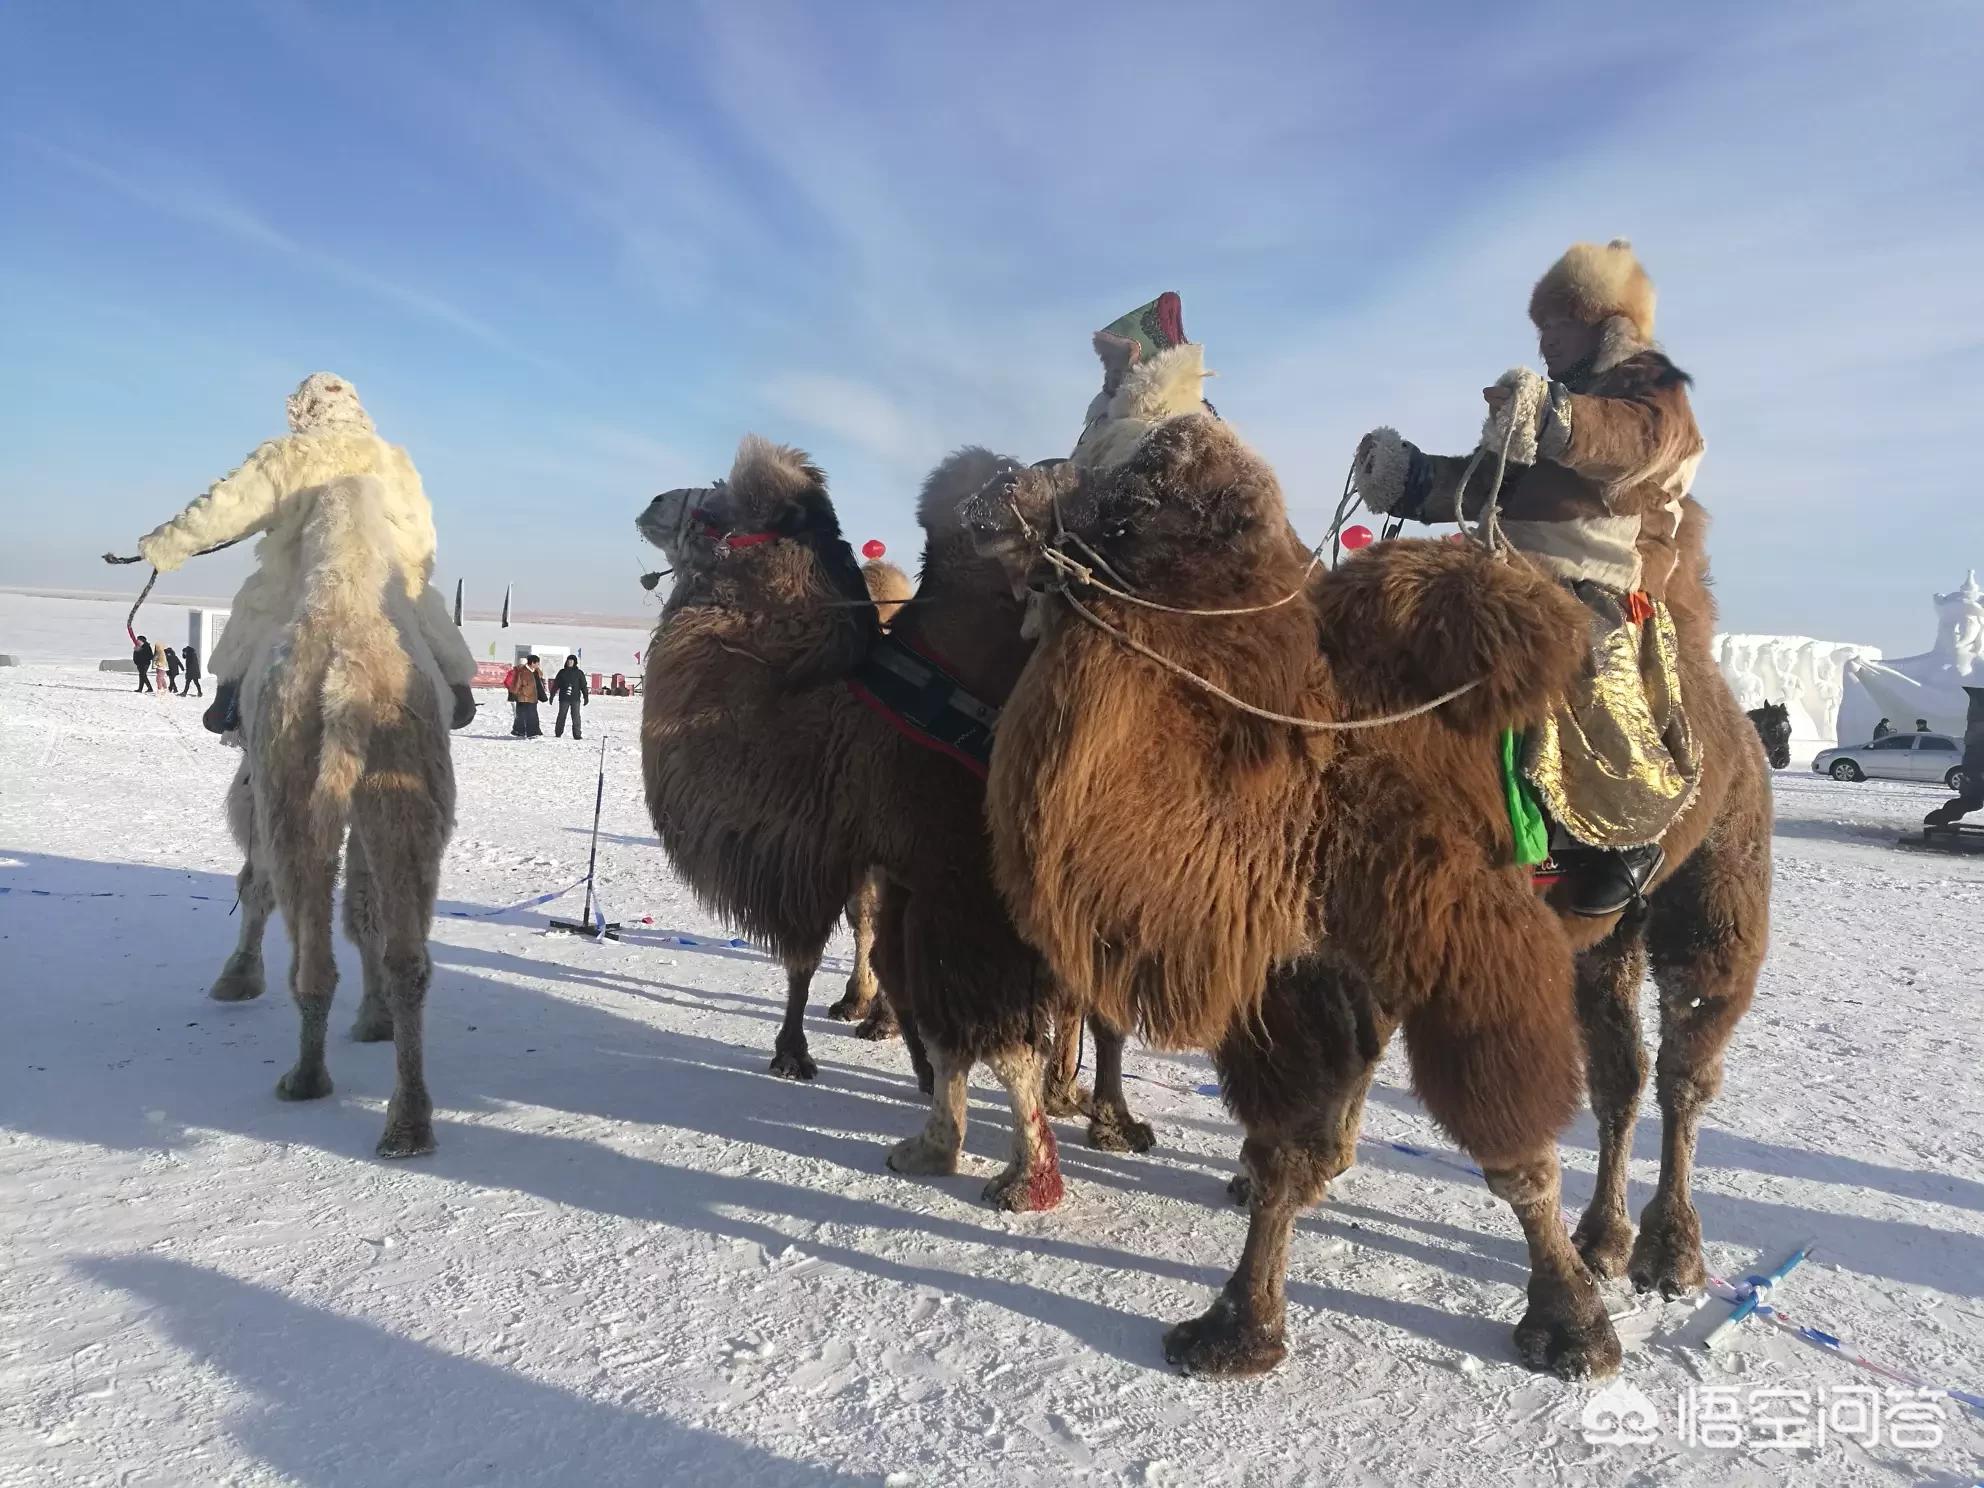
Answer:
[(1221, 1344), (1604, 1241), (302, 1085), (372, 1028), (879, 1026), (1022, 1192), (851, 1008), (238, 982), (1240, 1189), (918, 1154), (406, 1139), (1571, 1348), (794, 1064), (1117, 1131), (1668, 1255), (1069, 1100)]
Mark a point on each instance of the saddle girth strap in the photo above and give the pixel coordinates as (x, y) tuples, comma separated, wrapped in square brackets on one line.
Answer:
[(925, 703)]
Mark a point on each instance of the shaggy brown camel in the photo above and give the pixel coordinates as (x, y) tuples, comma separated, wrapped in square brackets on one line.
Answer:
[(890, 589), (1302, 893), (345, 731), (773, 785)]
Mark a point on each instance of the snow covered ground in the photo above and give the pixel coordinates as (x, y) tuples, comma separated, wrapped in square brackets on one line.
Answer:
[(637, 1259)]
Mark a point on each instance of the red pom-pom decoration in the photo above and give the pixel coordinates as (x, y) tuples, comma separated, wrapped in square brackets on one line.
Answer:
[(1356, 537), (873, 548)]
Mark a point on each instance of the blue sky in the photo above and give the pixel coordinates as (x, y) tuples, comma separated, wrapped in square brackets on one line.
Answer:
[(570, 253)]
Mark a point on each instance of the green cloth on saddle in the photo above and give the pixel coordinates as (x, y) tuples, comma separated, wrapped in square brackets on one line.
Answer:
[(1526, 820)]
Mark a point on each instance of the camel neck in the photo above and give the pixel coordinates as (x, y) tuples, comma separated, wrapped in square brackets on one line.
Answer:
[(970, 624)]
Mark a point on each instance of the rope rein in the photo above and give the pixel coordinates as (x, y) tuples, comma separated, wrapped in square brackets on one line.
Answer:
[(1487, 531)]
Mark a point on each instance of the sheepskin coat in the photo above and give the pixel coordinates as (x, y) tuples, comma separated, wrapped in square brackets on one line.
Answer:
[(1607, 508), (274, 493)]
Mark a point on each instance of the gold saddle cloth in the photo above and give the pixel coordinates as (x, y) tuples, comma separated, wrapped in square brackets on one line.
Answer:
[(1616, 764)]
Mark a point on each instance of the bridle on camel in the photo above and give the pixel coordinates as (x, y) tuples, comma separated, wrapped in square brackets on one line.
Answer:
[(131, 620), (1070, 572)]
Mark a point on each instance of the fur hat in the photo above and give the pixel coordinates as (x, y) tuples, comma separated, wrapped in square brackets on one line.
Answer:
[(325, 401), (1592, 283)]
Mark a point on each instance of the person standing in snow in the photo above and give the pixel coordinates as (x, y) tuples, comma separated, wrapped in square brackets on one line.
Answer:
[(141, 658), (273, 494), (570, 688), (1883, 729), (527, 689), (193, 672), (1599, 507), (171, 670), (1921, 725)]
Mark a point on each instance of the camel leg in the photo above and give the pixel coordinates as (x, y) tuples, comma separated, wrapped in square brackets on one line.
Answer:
[(919, 1055), (1242, 1332), (1566, 1331), (1608, 991), (854, 1004), (935, 1149), (1032, 1180), (1362, 1030), (364, 928), (394, 859), (313, 977), (241, 979), (1111, 1126), (790, 1059), (1708, 936), (1297, 1083), (1064, 1095), (1495, 1055)]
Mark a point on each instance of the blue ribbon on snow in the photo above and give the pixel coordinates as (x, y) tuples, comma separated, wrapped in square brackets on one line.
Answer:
[(490, 914), (98, 894)]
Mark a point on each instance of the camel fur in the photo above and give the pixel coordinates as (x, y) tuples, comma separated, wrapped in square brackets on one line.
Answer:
[(774, 789), (889, 587), (345, 736), (1284, 897)]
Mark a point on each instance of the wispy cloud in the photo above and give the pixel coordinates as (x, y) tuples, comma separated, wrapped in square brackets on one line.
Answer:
[(213, 208)]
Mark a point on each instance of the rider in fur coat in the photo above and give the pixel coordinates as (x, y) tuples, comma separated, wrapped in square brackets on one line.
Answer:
[(1601, 457), (272, 493)]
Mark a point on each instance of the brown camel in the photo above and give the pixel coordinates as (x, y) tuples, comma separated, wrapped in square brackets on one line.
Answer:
[(889, 587), (774, 786), (1286, 898), (345, 736)]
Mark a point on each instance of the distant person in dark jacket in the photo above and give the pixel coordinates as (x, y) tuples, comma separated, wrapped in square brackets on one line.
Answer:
[(171, 670), (569, 687), (1921, 725), (192, 655), (1883, 729), (141, 658)]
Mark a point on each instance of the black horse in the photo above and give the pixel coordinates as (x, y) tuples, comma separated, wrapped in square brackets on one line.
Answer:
[(1773, 721)]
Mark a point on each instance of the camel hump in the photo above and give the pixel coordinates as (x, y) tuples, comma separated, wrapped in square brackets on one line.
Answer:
[(1405, 621)]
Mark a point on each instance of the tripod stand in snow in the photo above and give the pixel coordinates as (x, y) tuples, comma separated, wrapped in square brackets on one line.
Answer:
[(593, 922)]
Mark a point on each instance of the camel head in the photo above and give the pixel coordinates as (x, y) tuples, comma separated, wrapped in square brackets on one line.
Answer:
[(666, 522), (1773, 721), (773, 493), (1191, 517)]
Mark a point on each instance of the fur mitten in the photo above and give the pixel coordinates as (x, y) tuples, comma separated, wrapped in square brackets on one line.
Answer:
[(1384, 460)]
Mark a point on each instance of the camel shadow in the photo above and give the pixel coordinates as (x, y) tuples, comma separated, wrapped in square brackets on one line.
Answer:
[(499, 1038), (314, 1376)]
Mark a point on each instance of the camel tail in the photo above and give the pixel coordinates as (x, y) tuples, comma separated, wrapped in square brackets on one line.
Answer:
[(348, 669), (1405, 621)]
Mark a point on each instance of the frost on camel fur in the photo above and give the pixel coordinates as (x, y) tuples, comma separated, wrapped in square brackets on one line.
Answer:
[(345, 735)]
